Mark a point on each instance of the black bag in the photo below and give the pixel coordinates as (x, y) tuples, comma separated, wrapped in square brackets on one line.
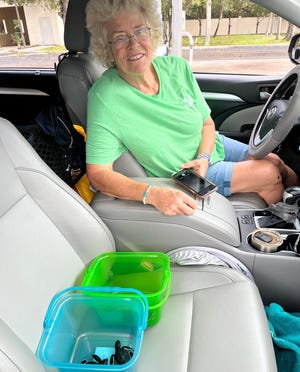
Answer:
[(68, 145)]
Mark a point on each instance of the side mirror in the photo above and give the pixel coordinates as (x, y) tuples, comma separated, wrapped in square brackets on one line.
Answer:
[(294, 49)]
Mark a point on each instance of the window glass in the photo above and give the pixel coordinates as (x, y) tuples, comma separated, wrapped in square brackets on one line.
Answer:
[(31, 36), (243, 38)]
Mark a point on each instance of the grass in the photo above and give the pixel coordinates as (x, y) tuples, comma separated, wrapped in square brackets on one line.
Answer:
[(237, 40), (56, 49)]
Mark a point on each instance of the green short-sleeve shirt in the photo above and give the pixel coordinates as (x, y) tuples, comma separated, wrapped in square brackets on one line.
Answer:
[(162, 131)]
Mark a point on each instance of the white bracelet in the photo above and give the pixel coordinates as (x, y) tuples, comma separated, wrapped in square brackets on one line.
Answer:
[(146, 193)]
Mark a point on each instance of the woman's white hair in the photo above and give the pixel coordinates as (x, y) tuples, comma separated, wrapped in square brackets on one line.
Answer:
[(98, 13)]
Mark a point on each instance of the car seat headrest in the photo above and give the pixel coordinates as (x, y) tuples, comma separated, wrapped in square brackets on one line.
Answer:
[(76, 35)]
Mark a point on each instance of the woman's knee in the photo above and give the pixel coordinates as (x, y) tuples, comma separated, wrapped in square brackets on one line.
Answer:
[(261, 176), (270, 185), (269, 173)]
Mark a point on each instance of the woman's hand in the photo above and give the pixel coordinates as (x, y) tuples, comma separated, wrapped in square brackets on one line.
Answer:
[(168, 201), (199, 165), (171, 202)]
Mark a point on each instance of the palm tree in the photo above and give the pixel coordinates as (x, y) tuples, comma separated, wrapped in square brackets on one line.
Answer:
[(208, 22)]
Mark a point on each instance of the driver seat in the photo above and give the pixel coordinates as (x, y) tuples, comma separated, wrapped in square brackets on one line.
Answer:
[(79, 69)]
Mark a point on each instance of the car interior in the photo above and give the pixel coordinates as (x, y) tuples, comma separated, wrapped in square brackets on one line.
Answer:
[(211, 310), (214, 319), (220, 223), (79, 69)]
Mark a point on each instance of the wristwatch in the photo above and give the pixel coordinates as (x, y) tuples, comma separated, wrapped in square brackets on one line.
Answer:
[(204, 155)]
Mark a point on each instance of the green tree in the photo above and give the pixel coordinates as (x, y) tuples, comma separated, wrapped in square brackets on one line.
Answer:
[(59, 5), (196, 9), (166, 10), (208, 22), (166, 6), (257, 11), (230, 11), (290, 32), (219, 9)]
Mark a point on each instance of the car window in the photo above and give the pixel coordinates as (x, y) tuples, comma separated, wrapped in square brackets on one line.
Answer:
[(31, 35), (239, 37), (243, 38)]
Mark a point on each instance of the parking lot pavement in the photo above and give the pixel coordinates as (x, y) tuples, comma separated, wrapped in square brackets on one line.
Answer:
[(256, 59), (247, 66), (239, 51), (27, 57), (29, 61)]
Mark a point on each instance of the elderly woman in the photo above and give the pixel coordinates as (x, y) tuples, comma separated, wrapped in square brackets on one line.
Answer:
[(153, 107)]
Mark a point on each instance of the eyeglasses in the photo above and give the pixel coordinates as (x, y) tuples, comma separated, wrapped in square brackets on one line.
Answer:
[(139, 35)]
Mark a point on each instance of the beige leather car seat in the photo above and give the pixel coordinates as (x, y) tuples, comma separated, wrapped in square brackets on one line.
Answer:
[(213, 321), (78, 69)]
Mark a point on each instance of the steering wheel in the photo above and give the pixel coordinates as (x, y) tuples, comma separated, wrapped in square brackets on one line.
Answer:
[(277, 118)]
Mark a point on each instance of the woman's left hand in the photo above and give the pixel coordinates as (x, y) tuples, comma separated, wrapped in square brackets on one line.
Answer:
[(199, 165)]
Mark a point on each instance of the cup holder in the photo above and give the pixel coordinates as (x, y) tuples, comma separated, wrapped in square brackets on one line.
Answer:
[(272, 241), (268, 241)]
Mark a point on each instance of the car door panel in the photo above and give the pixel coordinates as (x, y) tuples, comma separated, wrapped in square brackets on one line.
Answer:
[(240, 124), (236, 100)]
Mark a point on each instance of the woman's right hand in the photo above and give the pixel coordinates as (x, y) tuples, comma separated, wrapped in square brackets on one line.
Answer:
[(171, 202)]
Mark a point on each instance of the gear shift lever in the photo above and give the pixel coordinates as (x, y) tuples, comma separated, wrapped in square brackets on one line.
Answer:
[(291, 195)]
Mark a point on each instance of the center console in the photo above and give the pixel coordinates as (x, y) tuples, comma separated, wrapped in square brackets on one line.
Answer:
[(276, 252), (271, 254), (141, 227), (281, 239)]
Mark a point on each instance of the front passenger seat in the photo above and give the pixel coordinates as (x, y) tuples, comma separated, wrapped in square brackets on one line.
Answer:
[(76, 73), (78, 69), (214, 319)]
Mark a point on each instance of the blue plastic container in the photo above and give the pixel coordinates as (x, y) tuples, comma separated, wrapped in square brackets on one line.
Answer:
[(82, 321)]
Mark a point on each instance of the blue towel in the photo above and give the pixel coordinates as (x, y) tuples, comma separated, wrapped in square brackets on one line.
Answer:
[(285, 331)]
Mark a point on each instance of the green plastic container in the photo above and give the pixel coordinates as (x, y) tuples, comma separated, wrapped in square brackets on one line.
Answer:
[(148, 272), (81, 322)]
